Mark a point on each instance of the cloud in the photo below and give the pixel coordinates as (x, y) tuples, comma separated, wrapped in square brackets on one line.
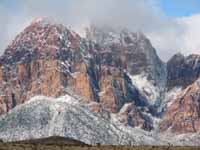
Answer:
[(3, 27), (190, 38), (180, 35), (130, 13), (167, 35)]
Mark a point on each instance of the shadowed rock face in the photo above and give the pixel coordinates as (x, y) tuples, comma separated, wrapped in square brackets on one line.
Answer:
[(48, 59), (130, 115), (182, 71), (184, 114), (130, 51)]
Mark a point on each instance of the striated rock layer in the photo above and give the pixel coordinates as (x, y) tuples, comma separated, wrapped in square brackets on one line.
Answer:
[(183, 115), (183, 71)]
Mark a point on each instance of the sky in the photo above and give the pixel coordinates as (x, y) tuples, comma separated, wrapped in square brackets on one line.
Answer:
[(171, 25), (180, 8)]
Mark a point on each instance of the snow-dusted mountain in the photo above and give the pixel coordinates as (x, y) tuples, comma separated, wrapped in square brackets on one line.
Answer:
[(48, 58), (117, 83), (137, 56), (42, 117)]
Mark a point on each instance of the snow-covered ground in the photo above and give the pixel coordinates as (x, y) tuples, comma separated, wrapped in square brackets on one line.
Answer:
[(65, 116), (43, 117)]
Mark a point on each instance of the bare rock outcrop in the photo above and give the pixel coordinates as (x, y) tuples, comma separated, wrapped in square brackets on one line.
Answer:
[(183, 115), (183, 71)]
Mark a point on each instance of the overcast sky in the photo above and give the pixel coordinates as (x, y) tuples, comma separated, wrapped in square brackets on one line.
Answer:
[(171, 25)]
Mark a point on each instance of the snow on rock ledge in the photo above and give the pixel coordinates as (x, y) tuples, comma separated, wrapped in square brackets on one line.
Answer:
[(146, 87)]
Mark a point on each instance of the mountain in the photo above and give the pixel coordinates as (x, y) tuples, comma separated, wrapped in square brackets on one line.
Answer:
[(115, 82), (48, 59)]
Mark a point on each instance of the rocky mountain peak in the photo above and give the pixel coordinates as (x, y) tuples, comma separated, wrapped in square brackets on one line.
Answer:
[(108, 36), (42, 38), (183, 71), (134, 49), (132, 52)]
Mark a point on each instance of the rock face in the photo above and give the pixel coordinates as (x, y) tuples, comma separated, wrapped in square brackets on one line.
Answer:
[(182, 71), (134, 53), (183, 115), (138, 56), (48, 59), (32, 64)]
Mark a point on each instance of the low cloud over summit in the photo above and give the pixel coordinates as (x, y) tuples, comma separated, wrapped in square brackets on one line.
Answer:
[(167, 34)]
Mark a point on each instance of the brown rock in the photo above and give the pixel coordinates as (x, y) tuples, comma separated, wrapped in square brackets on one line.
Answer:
[(130, 115), (82, 85), (112, 88), (3, 107), (183, 115)]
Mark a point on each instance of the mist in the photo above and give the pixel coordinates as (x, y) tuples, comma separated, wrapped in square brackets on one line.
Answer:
[(168, 35)]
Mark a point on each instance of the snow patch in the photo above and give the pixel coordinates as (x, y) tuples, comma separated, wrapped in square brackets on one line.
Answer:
[(171, 95), (146, 87)]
